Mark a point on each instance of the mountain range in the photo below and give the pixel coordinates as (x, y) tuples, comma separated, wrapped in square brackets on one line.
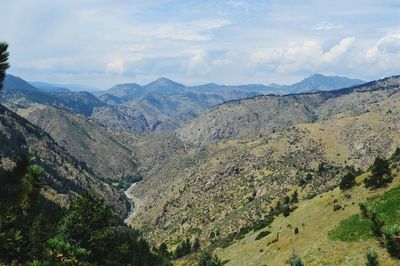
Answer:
[(213, 161)]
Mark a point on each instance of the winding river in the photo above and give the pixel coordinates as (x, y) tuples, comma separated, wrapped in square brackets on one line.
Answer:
[(135, 204)]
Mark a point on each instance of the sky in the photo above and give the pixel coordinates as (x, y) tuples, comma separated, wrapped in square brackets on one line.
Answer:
[(101, 43)]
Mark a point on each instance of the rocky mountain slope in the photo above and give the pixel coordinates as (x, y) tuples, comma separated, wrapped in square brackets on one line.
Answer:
[(218, 189), (89, 142), (65, 176), (265, 114)]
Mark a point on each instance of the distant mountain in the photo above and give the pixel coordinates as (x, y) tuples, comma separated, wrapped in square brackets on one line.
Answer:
[(50, 87), (18, 91), (46, 87), (318, 82), (266, 114)]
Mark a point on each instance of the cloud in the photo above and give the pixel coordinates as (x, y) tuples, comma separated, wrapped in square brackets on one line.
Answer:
[(116, 66), (336, 51), (194, 31), (324, 26), (384, 54), (307, 55)]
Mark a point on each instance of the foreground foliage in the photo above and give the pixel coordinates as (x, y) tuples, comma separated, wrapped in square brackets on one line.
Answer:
[(87, 233)]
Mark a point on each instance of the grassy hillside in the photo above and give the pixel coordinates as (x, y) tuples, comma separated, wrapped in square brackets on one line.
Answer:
[(320, 228), (233, 183), (223, 188)]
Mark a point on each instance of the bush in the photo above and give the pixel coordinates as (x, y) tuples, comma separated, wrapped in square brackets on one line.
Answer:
[(262, 234), (296, 230), (207, 259), (371, 258), (336, 207), (286, 210), (392, 240), (295, 260), (347, 181)]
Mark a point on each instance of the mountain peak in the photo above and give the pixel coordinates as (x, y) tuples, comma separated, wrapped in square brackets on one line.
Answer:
[(164, 82)]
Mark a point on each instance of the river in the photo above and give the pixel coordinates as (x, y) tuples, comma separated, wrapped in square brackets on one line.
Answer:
[(135, 203)]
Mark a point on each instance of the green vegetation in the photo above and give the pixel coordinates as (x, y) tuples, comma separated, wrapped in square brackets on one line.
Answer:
[(262, 234), (31, 229), (347, 181), (295, 260), (371, 258), (3, 62), (380, 217), (207, 259), (392, 240), (353, 228), (380, 174), (128, 180)]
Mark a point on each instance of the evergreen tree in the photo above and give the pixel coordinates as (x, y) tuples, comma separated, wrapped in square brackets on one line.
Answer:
[(19, 189), (196, 245), (163, 250), (295, 197), (380, 174), (3, 62), (207, 259), (347, 181)]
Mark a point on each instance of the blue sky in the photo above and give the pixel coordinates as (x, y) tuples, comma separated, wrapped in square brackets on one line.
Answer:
[(101, 43)]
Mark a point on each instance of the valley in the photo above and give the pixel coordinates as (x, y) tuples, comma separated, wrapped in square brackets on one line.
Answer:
[(217, 174)]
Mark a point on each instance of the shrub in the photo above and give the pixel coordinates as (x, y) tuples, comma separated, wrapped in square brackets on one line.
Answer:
[(286, 210), (336, 207), (262, 234), (296, 230), (392, 240), (207, 259), (295, 197), (347, 181), (371, 258), (295, 260)]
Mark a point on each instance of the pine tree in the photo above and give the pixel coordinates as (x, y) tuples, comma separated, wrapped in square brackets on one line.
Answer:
[(207, 259), (196, 245), (347, 181), (295, 197), (3, 62), (380, 174)]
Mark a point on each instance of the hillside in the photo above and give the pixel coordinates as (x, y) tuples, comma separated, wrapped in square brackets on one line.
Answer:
[(86, 140), (265, 114), (316, 220), (65, 176), (233, 183)]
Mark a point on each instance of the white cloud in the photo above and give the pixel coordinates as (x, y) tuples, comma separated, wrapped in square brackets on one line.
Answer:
[(300, 56), (324, 25), (221, 62), (385, 54), (339, 49), (116, 66), (192, 31)]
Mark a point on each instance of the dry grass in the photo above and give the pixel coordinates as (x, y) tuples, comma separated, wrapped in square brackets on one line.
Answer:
[(314, 218)]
